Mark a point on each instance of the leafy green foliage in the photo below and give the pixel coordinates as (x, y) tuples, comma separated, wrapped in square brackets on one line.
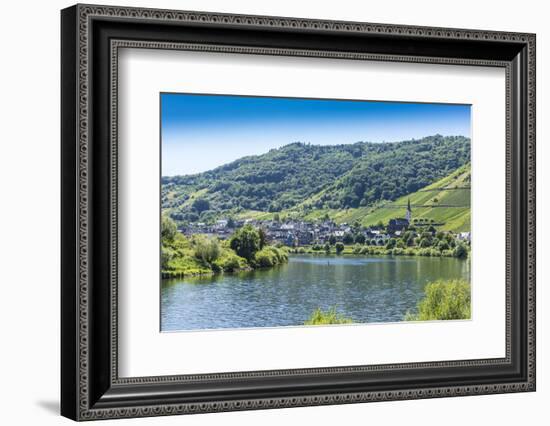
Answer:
[(460, 251), (168, 228), (270, 256), (348, 238), (207, 249), (201, 205), (444, 300), (320, 317), (246, 242)]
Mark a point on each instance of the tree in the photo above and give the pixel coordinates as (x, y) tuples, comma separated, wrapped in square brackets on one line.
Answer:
[(360, 238), (246, 242), (332, 240), (427, 235), (339, 248), (276, 217), (327, 248), (168, 229), (425, 242), (460, 251), (200, 205), (207, 249), (443, 245), (391, 243), (231, 223), (263, 238), (348, 238)]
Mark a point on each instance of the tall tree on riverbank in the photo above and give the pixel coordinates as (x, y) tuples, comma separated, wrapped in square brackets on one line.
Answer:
[(246, 242)]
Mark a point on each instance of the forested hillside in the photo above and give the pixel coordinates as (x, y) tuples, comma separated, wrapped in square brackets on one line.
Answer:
[(314, 177)]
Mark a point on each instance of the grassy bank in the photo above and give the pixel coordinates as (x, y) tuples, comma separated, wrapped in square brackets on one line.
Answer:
[(320, 317)]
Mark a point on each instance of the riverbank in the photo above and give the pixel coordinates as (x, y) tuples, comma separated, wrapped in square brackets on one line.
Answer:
[(460, 251), (202, 255)]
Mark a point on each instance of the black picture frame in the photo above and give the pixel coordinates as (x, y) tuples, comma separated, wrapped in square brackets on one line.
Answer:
[(90, 386)]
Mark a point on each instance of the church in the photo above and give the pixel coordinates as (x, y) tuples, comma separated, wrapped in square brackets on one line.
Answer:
[(400, 224)]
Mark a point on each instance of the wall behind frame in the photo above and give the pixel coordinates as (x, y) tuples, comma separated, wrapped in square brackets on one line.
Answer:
[(29, 217)]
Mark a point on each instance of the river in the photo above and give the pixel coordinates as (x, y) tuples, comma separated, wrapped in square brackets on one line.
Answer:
[(367, 289)]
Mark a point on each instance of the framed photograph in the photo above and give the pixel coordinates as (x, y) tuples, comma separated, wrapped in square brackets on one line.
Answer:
[(263, 212)]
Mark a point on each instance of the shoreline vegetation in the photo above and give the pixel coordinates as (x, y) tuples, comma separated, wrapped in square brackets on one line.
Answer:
[(246, 250), (443, 300)]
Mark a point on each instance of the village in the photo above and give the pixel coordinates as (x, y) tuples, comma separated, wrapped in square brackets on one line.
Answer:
[(299, 233)]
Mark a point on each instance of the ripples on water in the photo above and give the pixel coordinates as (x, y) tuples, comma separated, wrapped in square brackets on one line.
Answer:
[(367, 289)]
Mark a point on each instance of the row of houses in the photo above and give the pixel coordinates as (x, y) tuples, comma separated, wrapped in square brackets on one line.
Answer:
[(299, 233), (296, 233)]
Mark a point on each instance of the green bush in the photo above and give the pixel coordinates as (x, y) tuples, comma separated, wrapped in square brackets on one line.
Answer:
[(166, 255), (391, 243), (444, 300), (231, 262), (339, 248), (460, 251), (207, 249), (320, 317), (443, 245), (425, 252), (270, 256), (168, 229)]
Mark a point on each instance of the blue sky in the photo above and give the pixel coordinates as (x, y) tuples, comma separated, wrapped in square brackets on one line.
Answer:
[(201, 132)]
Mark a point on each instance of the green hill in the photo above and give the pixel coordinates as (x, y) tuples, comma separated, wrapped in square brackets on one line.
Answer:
[(310, 180), (445, 202)]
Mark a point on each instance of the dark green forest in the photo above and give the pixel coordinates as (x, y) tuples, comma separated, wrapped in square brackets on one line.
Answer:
[(325, 177)]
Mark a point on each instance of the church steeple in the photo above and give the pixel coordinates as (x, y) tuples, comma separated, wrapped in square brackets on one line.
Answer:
[(409, 211)]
